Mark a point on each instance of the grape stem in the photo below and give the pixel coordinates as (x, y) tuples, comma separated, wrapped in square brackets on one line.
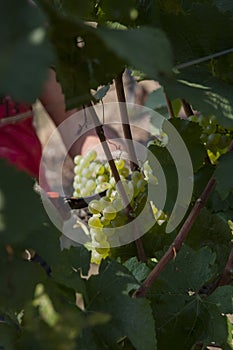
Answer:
[(177, 243), (115, 173), (125, 121), (169, 107)]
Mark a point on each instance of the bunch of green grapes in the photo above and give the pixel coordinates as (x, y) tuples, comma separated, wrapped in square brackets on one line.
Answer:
[(216, 138), (108, 212)]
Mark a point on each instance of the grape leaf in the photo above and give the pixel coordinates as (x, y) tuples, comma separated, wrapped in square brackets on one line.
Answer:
[(25, 52), (129, 317), (18, 280), (223, 298), (182, 317), (153, 56), (191, 132), (224, 175), (211, 230), (207, 94), (27, 217), (139, 270)]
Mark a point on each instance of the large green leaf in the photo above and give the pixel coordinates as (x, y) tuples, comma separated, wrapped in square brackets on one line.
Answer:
[(20, 201), (146, 49), (182, 317), (131, 318), (25, 52), (198, 31), (224, 175), (207, 94), (83, 61)]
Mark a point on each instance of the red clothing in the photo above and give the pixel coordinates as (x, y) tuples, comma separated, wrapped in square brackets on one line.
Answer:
[(19, 143)]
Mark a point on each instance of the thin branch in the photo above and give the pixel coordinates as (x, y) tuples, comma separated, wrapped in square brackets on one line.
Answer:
[(125, 122), (187, 108), (169, 107), (115, 173), (227, 274), (177, 243), (203, 59)]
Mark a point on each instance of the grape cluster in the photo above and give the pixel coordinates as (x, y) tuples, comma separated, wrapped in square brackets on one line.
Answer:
[(216, 138), (108, 212)]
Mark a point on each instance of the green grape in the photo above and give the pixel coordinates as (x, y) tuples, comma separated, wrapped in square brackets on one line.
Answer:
[(203, 121), (84, 163), (213, 120), (101, 178), (124, 172), (112, 181), (91, 155), (83, 181), (213, 139), (117, 204), (102, 187), (86, 172), (77, 159), (90, 185), (99, 169), (224, 141), (95, 206), (104, 249), (77, 170), (105, 221), (95, 222), (136, 176), (77, 186), (204, 138), (210, 129), (109, 213), (120, 164), (84, 192), (92, 166), (107, 167), (105, 201), (193, 118), (141, 185), (77, 178)]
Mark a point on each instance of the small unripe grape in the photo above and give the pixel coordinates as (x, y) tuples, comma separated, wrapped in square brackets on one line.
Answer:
[(77, 159), (124, 172), (77, 178), (105, 201), (105, 221), (84, 163), (77, 170), (99, 169), (101, 179), (223, 141), (213, 139), (102, 187), (203, 138), (203, 121), (91, 155), (95, 206), (117, 204), (120, 164), (84, 192), (193, 118), (90, 185), (141, 185), (109, 212), (86, 172), (210, 129), (94, 221)]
